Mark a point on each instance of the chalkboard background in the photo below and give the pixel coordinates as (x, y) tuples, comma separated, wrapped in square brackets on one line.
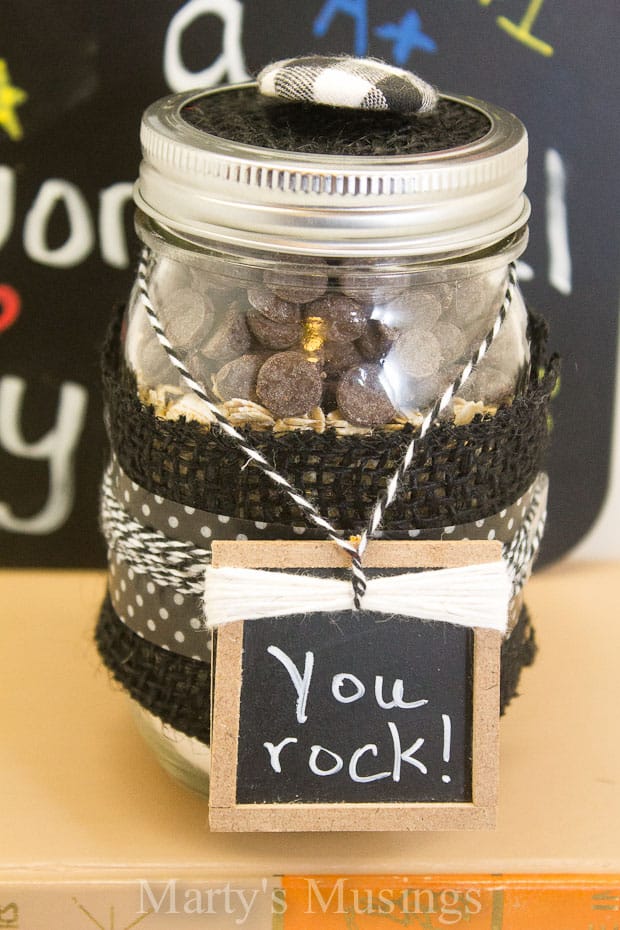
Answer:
[(432, 660), (74, 79)]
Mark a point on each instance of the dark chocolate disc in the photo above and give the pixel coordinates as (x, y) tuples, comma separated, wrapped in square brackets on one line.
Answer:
[(376, 341), (154, 364), (189, 316), (418, 307), (289, 385), (271, 334), (296, 287), (362, 398), (272, 306), (451, 339), (338, 357), (418, 353), (238, 377), (344, 318), (231, 338)]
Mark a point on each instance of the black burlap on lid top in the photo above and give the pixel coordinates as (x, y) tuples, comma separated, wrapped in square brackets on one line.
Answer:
[(240, 114)]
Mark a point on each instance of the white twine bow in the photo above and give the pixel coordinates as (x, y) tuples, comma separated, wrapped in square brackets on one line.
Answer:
[(471, 595)]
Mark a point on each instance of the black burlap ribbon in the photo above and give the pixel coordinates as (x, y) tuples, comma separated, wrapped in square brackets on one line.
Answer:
[(459, 475)]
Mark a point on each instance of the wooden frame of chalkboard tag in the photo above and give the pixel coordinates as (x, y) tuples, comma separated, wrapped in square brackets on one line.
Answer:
[(264, 772)]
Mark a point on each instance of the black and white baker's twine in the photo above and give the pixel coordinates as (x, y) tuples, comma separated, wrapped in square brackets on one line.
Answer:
[(395, 481), (180, 564), (354, 550), (252, 454), (521, 552), (149, 551)]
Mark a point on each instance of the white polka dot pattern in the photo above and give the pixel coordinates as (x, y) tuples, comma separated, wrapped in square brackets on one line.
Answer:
[(159, 614), (154, 608)]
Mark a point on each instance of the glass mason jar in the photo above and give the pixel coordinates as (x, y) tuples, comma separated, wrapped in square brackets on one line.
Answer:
[(311, 289)]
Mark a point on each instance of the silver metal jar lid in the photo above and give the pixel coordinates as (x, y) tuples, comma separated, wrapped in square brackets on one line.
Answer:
[(456, 200)]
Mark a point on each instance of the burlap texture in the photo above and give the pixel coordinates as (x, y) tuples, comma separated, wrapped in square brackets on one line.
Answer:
[(242, 115)]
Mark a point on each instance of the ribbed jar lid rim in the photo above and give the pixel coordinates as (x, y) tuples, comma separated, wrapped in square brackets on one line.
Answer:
[(457, 199)]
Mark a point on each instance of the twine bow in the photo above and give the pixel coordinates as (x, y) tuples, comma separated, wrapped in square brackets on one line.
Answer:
[(472, 595)]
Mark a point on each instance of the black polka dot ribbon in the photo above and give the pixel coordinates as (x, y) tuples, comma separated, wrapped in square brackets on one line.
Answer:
[(158, 550)]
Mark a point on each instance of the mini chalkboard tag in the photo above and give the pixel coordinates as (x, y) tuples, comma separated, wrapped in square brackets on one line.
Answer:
[(356, 720)]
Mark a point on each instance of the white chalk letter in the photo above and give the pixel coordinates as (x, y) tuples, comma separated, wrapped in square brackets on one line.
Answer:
[(406, 755), (397, 695), (7, 202), (560, 265), (301, 684), (357, 755), (275, 750), (229, 62), (337, 683), (315, 752), (81, 238), (112, 203), (58, 446)]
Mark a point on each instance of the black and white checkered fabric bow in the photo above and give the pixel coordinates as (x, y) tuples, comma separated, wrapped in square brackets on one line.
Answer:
[(355, 83)]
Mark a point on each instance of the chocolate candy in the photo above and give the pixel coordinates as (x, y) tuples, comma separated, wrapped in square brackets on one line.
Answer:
[(368, 288), (418, 353), (231, 338), (344, 318), (167, 279), (202, 369), (451, 339), (510, 350), (488, 384), (376, 341), (506, 362), (362, 398), (367, 280), (271, 334), (477, 299), (289, 385), (339, 333), (189, 317), (339, 356), (421, 393), (222, 289), (296, 287), (329, 401), (418, 307), (272, 306), (154, 365), (238, 377)]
